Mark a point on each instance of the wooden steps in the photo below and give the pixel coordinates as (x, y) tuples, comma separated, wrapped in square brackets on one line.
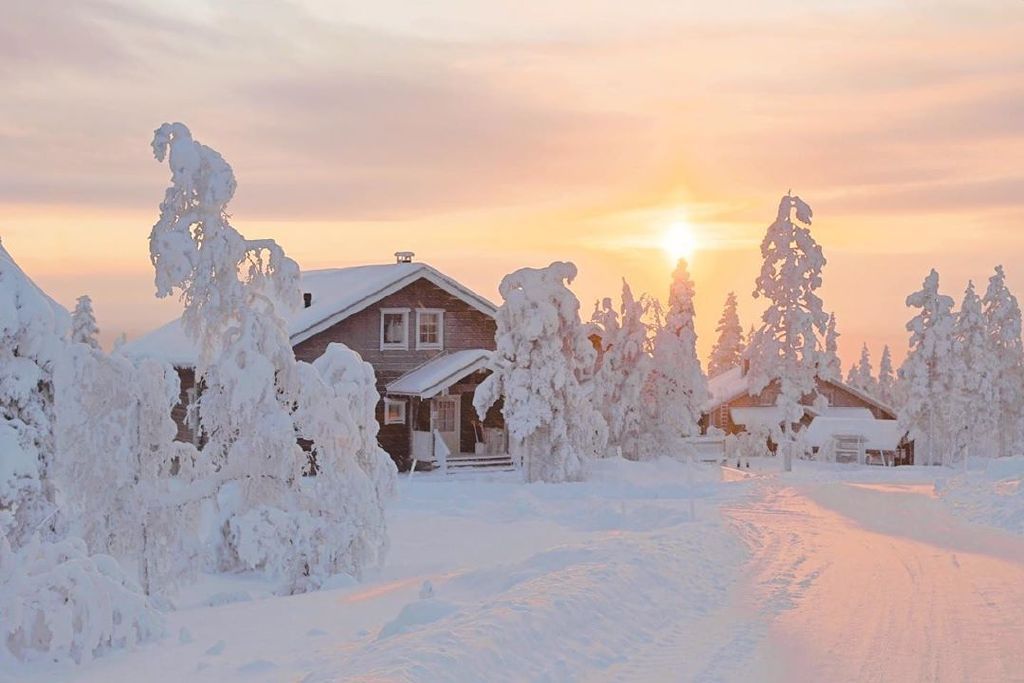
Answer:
[(465, 462)]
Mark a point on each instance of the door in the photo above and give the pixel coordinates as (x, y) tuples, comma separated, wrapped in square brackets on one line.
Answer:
[(446, 421)]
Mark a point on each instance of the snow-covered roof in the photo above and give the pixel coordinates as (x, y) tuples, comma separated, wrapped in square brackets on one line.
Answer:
[(757, 416), (439, 373), (842, 411), (880, 435), (338, 293), (733, 383)]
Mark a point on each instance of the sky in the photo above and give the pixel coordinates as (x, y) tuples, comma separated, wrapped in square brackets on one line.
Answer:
[(490, 136)]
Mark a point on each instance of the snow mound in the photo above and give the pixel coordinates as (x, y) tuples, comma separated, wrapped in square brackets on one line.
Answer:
[(994, 497), (416, 615), (59, 603)]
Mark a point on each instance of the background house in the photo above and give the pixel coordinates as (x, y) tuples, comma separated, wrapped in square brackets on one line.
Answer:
[(851, 419), (426, 335)]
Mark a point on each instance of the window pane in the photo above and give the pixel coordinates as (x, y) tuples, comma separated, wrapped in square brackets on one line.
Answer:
[(394, 328), (429, 328)]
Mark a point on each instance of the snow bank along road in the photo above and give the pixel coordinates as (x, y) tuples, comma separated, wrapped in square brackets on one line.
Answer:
[(821, 575)]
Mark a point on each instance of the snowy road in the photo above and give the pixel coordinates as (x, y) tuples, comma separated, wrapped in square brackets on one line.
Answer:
[(856, 582)]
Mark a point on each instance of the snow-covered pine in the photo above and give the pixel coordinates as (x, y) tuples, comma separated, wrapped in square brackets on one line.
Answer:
[(622, 371), (886, 378), (32, 331), (927, 374), (1003, 324), (677, 390), (862, 375), (787, 350), (83, 323), (972, 380), (237, 293), (831, 366), (542, 369), (727, 353)]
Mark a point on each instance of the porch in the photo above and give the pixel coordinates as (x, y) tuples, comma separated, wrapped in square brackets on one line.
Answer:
[(443, 428)]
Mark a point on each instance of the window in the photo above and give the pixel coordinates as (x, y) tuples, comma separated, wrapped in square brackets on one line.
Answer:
[(394, 325), (394, 412), (429, 328)]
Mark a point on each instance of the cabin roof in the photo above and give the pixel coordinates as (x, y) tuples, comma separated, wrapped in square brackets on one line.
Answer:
[(879, 435), (439, 373), (337, 293), (733, 383)]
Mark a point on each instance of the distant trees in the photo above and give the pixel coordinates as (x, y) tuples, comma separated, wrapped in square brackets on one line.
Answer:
[(543, 369), (886, 378), (727, 353), (831, 366), (83, 323), (862, 375), (786, 348)]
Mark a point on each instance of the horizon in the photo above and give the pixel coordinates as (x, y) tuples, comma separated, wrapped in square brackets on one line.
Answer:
[(485, 143)]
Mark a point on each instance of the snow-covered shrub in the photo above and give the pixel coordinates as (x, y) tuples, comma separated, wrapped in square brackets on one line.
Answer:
[(676, 390), (786, 349), (622, 371), (32, 330), (543, 368), (59, 603)]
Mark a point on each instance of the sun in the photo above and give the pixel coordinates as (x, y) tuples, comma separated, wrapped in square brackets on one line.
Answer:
[(679, 241)]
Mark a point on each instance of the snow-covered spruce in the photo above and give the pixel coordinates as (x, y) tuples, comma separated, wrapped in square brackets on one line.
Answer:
[(237, 293), (831, 367), (786, 348), (927, 375), (862, 375), (727, 353), (59, 603), (622, 371), (1006, 357), (676, 390), (972, 380), (83, 323), (542, 368), (886, 378)]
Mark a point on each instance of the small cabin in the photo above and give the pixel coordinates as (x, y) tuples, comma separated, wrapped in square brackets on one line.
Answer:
[(849, 425)]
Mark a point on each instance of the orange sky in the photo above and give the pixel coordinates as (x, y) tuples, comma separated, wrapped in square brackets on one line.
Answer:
[(488, 136)]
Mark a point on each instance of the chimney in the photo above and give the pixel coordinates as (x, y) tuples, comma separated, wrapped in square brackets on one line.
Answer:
[(307, 299), (404, 256)]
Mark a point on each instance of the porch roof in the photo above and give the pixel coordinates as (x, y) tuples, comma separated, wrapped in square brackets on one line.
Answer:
[(879, 435), (439, 373)]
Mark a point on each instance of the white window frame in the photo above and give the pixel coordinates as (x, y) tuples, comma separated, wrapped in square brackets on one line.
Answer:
[(394, 346), (439, 344), (389, 403)]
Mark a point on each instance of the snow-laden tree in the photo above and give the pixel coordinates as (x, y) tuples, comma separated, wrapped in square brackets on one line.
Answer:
[(886, 378), (542, 369), (862, 375), (32, 330), (727, 353), (787, 352), (831, 366), (83, 323), (1006, 362), (677, 389), (237, 294), (927, 373), (623, 368), (972, 381)]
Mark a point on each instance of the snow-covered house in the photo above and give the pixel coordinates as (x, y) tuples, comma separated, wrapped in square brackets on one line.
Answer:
[(852, 420), (426, 335)]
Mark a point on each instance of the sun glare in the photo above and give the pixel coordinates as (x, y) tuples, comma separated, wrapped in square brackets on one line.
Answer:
[(679, 241)]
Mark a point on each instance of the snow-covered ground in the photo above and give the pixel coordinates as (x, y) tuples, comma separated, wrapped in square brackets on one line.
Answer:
[(825, 573)]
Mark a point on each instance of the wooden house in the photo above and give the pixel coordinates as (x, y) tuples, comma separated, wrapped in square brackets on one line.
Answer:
[(851, 422), (427, 336)]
